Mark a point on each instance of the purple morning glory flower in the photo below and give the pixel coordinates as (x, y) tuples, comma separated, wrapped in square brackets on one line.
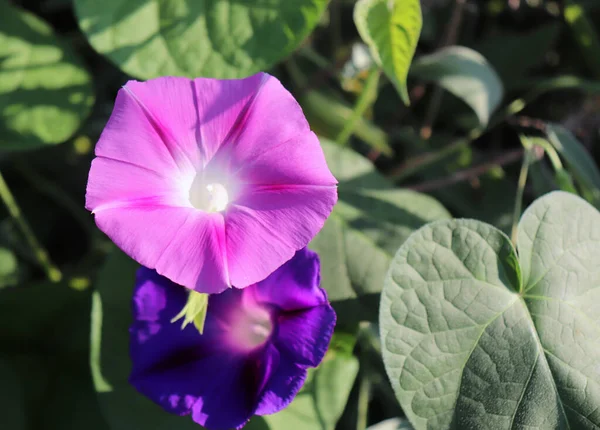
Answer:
[(253, 356)]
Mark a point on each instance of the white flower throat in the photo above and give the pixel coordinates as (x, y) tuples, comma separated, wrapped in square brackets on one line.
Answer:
[(208, 197)]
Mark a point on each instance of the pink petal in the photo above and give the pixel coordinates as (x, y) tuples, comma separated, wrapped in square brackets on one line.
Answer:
[(222, 107), (114, 183), (169, 103), (271, 142), (182, 244), (135, 135), (267, 225), (299, 161), (249, 136)]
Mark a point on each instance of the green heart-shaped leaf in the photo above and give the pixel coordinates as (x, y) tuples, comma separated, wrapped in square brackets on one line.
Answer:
[(45, 92), (475, 336), (211, 38), (391, 28)]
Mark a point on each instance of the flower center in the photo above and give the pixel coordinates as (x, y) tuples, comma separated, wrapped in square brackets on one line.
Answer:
[(251, 326), (211, 197)]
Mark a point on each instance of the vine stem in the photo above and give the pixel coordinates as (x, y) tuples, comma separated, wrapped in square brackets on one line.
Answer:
[(365, 100), (450, 37), (527, 158), (467, 174), (364, 388), (52, 272), (364, 391)]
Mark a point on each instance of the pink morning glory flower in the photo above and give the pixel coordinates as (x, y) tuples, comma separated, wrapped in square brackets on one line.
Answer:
[(212, 183), (253, 357)]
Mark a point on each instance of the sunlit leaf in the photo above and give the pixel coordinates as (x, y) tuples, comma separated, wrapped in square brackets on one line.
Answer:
[(212, 38), (45, 92), (475, 336), (464, 73), (391, 29)]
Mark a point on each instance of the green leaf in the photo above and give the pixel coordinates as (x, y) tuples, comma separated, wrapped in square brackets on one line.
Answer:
[(211, 38), (45, 92), (370, 221), (392, 424), (580, 163), (584, 33), (391, 29), (9, 268), (320, 403), (328, 116), (475, 337), (123, 407), (466, 74), (513, 54), (24, 382), (43, 342)]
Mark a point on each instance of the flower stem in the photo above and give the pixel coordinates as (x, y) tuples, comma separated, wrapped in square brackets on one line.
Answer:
[(52, 272)]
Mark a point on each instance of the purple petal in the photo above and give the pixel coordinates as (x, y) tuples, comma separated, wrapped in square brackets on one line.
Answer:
[(231, 372), (185, 372), (304, 336), (284, 383), (294, 285)]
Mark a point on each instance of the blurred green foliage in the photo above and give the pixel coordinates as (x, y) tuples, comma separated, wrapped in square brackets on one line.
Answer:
[(424, 110)]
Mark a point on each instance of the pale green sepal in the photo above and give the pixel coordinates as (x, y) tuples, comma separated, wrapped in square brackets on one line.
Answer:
[(194, 311)]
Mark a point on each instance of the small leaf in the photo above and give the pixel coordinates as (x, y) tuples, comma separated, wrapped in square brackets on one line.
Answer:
[(580, 163), (475, 337), (217, 38), (45, 92), (391, 29), (464, 73)]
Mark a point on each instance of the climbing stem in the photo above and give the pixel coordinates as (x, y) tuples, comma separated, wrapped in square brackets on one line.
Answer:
[(52, 272)]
